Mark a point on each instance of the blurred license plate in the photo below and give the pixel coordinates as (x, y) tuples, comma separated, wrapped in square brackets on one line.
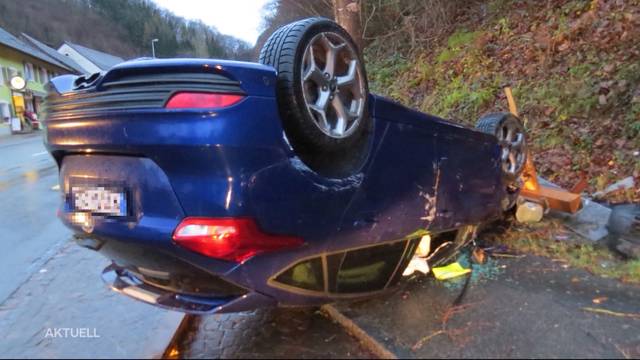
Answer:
[(99, 200)]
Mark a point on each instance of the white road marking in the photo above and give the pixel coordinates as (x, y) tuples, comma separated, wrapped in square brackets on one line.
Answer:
[(55, 187), (39, 154)]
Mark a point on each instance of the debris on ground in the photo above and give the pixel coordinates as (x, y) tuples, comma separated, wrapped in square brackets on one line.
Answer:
[(424, 247), (416, 264), (501, 251), (625, 220), (529, 212), (590, 222), (490, 269), (450, 271), (478, 255), (612, 313), (600, 299), (626, 183), (425, 339), (624, 226)]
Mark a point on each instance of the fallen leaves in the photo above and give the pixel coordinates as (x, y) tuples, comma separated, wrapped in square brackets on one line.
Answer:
[(575, 70)]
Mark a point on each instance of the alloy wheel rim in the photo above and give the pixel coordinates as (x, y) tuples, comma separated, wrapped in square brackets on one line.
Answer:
[(332, 85), (513, 147)]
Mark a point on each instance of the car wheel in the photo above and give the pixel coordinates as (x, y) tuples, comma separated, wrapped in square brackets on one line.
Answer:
[(509, 131), (322, 88)]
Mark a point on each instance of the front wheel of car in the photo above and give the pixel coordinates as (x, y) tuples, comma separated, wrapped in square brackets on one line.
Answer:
[(322, 90)]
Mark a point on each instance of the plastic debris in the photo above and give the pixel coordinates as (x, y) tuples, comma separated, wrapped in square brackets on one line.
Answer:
[(450, 271), (626, 183), (529, 212), (416, 264), (424, 247), (590, 222)]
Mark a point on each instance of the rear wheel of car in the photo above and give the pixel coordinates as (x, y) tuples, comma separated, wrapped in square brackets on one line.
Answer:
[(510, 132), (322, 92)]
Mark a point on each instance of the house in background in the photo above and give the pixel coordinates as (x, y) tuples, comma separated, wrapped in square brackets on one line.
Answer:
[(36, 63), (51, 52), (89, 59), (18, 58)]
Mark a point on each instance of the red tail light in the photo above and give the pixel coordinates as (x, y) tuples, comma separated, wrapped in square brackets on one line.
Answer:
[(229, 239), (201, 100)]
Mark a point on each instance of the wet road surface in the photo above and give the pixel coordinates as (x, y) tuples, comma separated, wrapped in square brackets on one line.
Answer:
[(50, 288), (31, 231)]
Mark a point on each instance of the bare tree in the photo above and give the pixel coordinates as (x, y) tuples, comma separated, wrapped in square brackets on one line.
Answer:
[(347, 14)]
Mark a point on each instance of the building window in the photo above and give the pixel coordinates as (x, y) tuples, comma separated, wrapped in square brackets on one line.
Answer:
[(43, 75), (13, 72), (28, 72)]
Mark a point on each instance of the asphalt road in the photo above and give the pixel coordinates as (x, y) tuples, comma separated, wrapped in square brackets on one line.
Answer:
[(49, 283), (31, 233), (529, 307)]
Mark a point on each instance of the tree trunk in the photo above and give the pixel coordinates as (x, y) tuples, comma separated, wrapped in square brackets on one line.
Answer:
[(347, 14)]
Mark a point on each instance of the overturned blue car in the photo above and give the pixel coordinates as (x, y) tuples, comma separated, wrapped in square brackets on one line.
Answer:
[(222, 186)]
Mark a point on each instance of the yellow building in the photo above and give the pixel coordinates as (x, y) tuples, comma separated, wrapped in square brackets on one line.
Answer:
[(22, 59)]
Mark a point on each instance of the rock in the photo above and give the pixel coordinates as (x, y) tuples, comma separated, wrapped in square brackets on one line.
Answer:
[(629, 249), (625, 222)]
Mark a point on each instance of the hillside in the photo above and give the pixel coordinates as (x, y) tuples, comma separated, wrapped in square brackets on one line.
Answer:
[(121, 27), (574, 66)]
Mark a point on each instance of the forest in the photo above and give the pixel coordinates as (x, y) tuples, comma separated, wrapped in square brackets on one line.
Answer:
[(121, 27)]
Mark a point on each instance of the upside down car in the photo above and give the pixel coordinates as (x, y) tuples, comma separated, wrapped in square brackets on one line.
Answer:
[(223, 186)]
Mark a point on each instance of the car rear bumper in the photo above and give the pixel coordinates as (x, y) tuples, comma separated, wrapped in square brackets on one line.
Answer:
[(123, 281)]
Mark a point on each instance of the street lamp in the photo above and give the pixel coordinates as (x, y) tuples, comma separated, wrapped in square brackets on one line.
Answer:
[(153, 48)]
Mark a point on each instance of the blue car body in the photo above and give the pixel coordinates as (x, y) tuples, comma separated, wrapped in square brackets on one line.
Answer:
[(420, 174)]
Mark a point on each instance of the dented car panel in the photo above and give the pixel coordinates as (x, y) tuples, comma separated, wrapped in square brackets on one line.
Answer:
[(421, 175)]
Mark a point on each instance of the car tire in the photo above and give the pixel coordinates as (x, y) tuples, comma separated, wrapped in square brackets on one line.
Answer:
[(321, 89), (510, 132)]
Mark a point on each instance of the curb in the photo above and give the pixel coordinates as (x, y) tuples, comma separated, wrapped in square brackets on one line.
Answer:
[(367, 341), (172, 351)]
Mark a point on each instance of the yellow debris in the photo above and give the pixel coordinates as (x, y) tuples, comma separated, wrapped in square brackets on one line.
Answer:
[(449, 271)]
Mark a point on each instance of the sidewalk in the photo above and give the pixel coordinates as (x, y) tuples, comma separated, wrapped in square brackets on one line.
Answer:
[(7, 138), (5, 130), (513, 308), (268, 334), (67, 293)]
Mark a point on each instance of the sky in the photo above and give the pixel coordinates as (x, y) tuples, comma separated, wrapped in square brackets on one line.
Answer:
[(239, 18)]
